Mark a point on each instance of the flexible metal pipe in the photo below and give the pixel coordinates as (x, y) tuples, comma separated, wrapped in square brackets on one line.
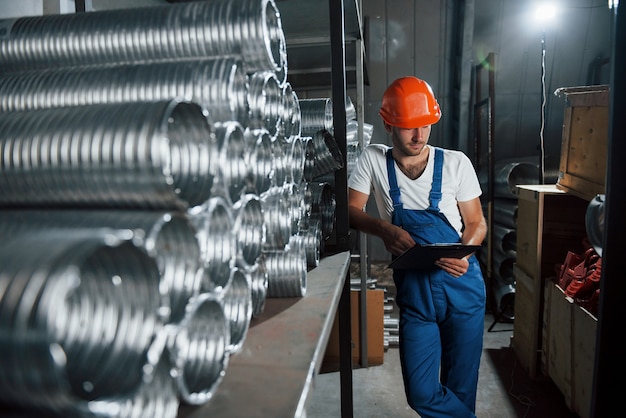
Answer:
[(246, 28), (218, 244), (328, 157), (291, 116), (77, 315), (259, 159), (237, 302), (217, 84), (169, 237), (277, 217), (156, 396), (131, 155), (323, 206), (279, 161), (249, 229), (287, 272), (308, 170), (259, 281), (231, 159), (265, 101), (315, 115), (198, 349)]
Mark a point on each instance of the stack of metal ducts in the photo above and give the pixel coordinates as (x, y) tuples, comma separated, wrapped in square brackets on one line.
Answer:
[(508, 174), (152, 197)]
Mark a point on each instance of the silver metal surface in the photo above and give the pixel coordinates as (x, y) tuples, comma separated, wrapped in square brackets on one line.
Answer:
[(259, 159), (277, 216), (249, 229), (74, 307), (169, 237), (328, 157), (265, 101), (237, 302), (233, 171), (131, 155), (218, 244), (217, 84), (246, 28), (198, 349)]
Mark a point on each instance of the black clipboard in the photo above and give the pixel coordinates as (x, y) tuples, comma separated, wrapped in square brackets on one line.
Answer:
[(422, 256)]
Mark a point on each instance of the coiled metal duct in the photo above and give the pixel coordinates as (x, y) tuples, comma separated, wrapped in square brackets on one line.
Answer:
[(323, 206), (279, 166), (315, 115), (312, 241), (296, 206), (217, 84), (249, 229), (328, 157), (198, 349), (237, 302), (295, 160), (218, 244), (168, 237), (156, 395), (291, 116), (246, 28), (132, 155), (233, 171), (259, 159), (277, 216), (265, 101), (309, 159), (259, 281), (286, 271), (75, 306)]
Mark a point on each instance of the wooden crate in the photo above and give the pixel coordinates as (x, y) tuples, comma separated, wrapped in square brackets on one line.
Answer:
[(550, 222), (582, 168), (568, 348), (526, 327)]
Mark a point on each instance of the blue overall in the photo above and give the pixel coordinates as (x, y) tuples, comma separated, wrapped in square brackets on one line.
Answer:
[(441, 317)]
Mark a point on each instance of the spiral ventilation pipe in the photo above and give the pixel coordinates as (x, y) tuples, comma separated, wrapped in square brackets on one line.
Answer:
[(131, 155), (217, 84), (249, 229), (218, 244), (259, 159), (265, 101), (168, 237), (198, 349), (233, 172), (290, 112), (248, 29), (81, 304)]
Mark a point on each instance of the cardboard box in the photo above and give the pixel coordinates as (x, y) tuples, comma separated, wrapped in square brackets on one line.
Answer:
[(584, 143), (568, 349), (375, 301)]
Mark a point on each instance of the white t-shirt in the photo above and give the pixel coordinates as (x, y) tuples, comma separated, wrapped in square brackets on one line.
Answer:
[(459, 182)]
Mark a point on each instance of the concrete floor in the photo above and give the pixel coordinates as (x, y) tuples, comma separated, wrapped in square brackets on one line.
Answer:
[(504, 388)]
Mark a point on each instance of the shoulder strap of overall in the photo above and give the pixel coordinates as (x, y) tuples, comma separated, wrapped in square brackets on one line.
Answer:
[(435, 191), (394, 190)]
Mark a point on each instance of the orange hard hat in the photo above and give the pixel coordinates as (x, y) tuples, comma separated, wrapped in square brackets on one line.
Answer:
[(409, 103)]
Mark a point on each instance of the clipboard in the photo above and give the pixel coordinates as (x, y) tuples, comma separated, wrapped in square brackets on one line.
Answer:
[(423, 256)]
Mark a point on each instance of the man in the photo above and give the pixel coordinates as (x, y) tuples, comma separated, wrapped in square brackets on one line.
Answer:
[(427, 194)]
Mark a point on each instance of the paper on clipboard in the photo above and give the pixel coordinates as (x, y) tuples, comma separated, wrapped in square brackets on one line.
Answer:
[(423, 256)]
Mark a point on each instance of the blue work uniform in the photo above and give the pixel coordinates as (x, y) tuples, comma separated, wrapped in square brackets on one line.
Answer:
[(441, 316)]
